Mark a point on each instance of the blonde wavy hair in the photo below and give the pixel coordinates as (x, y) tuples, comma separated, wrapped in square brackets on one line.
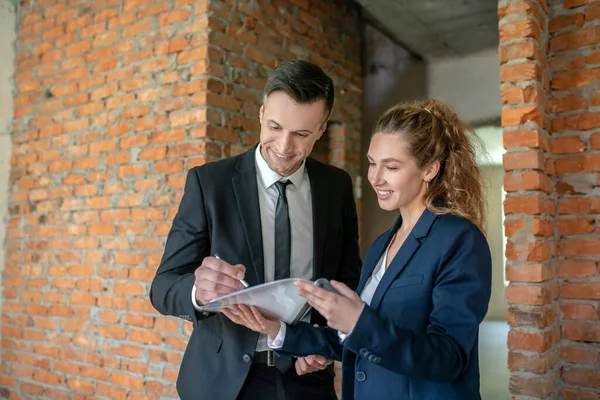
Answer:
[(433, 132)]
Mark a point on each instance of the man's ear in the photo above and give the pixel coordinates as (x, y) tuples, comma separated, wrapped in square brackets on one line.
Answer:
[(322, 130), (260, 112)]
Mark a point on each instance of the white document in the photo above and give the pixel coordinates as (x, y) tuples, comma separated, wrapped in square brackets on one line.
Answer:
[(277, 299)]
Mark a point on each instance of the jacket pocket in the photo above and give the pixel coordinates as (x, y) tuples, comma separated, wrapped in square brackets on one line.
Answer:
[(208, 337), (407, 281)]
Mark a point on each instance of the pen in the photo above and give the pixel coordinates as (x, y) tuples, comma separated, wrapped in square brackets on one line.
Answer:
[(241, 280)]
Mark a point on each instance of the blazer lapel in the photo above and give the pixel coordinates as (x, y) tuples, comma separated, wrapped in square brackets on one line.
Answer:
[(319, 199), (404, 255), (368, 268), (246, 195)]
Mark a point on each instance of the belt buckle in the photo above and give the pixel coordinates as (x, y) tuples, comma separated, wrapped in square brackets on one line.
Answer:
[(270, 358)]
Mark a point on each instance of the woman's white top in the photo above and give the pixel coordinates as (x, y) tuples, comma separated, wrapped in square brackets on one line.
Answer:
[(371, 285)]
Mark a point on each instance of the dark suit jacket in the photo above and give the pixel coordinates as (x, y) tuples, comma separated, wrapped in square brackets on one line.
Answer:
[(418, 338), (219, 213)]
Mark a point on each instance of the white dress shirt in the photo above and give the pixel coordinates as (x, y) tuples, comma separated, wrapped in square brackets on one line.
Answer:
[(301, 222)]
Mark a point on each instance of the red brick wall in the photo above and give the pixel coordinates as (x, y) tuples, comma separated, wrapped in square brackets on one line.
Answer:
[(114, 101), (550, 75)]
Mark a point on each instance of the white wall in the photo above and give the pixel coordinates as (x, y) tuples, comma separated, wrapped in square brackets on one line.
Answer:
[(470, 84), (494, 176), (7, 38)]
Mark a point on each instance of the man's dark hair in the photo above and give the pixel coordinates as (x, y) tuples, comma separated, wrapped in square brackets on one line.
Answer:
[(302, 81)]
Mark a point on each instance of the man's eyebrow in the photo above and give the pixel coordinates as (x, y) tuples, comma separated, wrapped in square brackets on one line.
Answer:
[(298, 131), (304, 131)]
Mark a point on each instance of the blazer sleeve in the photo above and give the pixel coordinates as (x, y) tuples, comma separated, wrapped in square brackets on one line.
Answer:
[(461, 296), (350, 262), (188, 243), (303, 339)]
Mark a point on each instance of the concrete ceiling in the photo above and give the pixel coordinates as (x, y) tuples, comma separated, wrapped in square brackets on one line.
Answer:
[(437, 28)]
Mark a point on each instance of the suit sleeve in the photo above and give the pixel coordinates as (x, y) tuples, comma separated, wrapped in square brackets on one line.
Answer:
[(303, 339), (350, 264), (460, 300), (188, 243)]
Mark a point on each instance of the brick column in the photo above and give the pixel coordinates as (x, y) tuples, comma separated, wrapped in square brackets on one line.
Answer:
[(550, 77), (114, 101), (575, 63), (531, 201)]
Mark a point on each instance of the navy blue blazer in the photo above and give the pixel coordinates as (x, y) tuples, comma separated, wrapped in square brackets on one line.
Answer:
[(418, 338)]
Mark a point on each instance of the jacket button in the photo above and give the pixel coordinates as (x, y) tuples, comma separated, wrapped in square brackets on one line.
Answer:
[(247, 358), (363, 352), (361, 376), (376, 360)]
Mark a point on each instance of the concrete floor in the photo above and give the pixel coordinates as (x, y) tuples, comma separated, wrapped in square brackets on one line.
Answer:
[(493, 358)]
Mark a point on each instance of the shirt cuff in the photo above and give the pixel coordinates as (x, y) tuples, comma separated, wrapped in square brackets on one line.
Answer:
[(196, 306), (277, 343)]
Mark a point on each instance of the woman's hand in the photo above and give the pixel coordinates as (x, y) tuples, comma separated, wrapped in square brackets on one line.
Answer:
[(340, 310), (252, 319)]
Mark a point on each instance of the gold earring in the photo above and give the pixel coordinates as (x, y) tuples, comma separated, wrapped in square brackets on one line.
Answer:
[(426, 185)]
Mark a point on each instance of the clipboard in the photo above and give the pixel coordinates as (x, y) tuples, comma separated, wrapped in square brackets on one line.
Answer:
[(276, 300)]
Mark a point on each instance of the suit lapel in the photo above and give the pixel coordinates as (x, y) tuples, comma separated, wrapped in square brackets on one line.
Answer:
[(319, 199), (408, 248), (246, 195), (373, 261), (404, 255)]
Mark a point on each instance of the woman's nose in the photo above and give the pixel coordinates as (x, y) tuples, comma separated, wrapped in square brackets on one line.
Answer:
[(376, 177)]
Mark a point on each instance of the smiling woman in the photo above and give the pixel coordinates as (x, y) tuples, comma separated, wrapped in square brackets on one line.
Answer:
[(432, 136)]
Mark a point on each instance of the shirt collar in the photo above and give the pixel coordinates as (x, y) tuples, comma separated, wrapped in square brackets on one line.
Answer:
[(269, 177)]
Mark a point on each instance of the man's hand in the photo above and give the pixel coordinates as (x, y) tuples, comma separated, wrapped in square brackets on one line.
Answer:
[(311, 363), (216, 278), (252, 319)]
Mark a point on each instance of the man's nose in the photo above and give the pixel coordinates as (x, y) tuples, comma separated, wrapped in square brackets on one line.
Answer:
[(285, 143)]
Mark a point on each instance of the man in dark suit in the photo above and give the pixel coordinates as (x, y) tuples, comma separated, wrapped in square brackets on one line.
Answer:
[(270, 213)]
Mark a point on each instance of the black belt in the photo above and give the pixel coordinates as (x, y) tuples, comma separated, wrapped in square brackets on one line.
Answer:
[(265, 357), (268, 358)]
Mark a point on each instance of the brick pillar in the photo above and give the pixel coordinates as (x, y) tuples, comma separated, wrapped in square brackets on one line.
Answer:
[(575, 63), (531, 200), (550, 77), (114, 101)]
